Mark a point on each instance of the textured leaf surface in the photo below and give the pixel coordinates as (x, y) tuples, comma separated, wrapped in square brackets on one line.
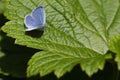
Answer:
[(62, 63), (77, 32)]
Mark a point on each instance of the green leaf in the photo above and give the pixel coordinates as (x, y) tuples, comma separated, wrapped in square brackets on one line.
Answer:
[(77, 32), (45, 62), (115, 47), (2, 6)]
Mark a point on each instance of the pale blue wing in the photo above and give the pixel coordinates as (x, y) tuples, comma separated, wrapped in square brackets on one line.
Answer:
[(38, 15), (35, 20), (30, 22)]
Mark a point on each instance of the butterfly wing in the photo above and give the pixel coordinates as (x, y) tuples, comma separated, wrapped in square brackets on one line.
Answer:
[(30, 23), (36, 19), (38, 15)]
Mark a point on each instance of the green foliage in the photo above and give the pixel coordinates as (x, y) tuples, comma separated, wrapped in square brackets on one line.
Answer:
[(2, 6), (115, 47), (83, 32)]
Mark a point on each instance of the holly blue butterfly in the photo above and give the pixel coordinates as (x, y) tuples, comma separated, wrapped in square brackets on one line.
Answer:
[(35, 20)]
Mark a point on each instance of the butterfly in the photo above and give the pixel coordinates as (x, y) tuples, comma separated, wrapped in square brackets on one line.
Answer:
[(35, 20)]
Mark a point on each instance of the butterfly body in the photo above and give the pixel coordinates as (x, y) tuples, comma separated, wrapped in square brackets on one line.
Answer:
[(35, 20)]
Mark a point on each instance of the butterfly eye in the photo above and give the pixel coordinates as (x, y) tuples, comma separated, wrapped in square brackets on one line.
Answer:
[(36, 20)]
